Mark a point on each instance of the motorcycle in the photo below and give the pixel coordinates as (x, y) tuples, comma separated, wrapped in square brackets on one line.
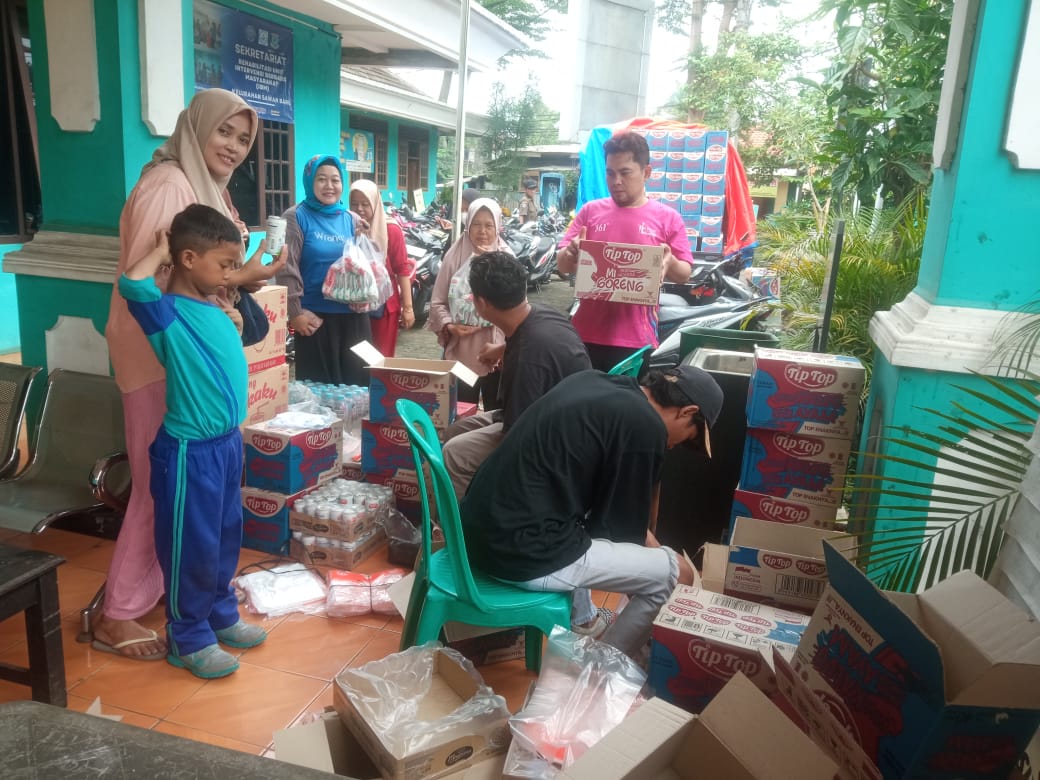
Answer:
[(426, 247), (536, 252)]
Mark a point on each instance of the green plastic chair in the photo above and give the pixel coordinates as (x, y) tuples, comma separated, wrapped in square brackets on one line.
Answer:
[(445, 587), (632, 365)]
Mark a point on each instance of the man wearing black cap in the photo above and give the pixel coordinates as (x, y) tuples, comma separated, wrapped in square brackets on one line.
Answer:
[(528, 208), (567, 500)]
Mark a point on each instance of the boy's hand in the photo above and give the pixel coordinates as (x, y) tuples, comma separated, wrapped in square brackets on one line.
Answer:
[(156, 263), (253, 274)]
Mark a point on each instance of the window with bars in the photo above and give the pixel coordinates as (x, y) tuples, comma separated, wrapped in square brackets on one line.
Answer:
[(262, 185)]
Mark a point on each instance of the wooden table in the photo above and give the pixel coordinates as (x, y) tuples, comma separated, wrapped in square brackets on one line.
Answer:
[(29, 584)]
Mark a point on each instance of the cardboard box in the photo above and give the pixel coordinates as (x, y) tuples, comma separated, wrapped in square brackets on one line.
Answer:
[(805, 392), (356, 528), (778, 564), (695, 139), (672, 200), (715, 158), (270, 352), (450, 687), (657, 158), (714, 184), (807, 469), (656, 181), (328, 746), (265, 520), (711, 226), (690, 205), (673, 182), (675, 162), (780, 510), (741, 735), (268, 394), (485, 646), (288, 460), (405, 484), (692, 182), (622, 273), (815, 718), (657, 140), (430, 383), (701, 639), (322, 551), (385, 447), (711, 244), (940, 684), (676, 140), (712, 205), (693, 161)]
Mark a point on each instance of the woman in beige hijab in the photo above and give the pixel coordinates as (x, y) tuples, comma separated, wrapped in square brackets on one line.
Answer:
[(212, 137)]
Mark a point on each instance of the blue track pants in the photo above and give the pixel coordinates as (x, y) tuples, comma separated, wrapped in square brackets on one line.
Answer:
[(196, 486)]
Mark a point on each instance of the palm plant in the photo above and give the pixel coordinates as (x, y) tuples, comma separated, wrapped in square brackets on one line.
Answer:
[(879, 263), (925, 529)]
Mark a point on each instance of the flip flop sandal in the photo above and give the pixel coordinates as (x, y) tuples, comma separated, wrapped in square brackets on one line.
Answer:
[(97, 644)]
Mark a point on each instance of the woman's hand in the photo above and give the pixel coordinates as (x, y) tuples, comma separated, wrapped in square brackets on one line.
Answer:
[(253, 274), (407, 318), (306, 323), (460, 331), (233, 314)]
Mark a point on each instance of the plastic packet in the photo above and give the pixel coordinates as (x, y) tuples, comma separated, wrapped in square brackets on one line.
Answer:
[(283, 589), (381, 581), (585, 689), (349, 594), (359, 278), (309, 418), (460, 299), (388, 694)]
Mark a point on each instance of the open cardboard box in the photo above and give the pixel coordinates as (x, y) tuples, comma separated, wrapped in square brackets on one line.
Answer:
[(328, 745), (430, 383), (741, 735), (940, 684), (773, 563), (452, 745)]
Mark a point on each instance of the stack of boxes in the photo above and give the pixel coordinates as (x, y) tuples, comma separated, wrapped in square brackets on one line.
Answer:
[(802, 412), (268, 371), (689, 175)]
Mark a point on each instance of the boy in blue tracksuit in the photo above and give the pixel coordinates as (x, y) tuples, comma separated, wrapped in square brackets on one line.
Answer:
[(197, 454)]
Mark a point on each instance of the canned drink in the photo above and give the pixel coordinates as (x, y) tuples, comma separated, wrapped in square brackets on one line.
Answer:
[(275, 238)]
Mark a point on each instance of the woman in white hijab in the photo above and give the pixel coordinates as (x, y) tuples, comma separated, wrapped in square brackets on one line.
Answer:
[(212, 137), (461, 341)]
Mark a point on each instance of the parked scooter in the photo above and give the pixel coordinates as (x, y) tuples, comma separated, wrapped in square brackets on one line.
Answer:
[(426, 247), (536, 252)]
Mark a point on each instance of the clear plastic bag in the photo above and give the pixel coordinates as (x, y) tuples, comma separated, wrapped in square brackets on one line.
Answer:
[(381, 581), (585, 689), (460, 299), (283, 589), (350, 594), (388, 694), (359, 278)]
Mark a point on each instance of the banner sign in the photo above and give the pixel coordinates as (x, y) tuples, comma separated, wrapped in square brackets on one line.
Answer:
[(357, 151), (246, 55)]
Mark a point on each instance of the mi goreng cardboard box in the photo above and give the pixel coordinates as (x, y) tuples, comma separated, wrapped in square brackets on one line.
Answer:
[(778, 564), (430, 383), (942, 684), (621, 273), (741, 735)]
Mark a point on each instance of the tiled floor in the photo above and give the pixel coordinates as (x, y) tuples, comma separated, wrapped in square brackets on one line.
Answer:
[(278, 683)]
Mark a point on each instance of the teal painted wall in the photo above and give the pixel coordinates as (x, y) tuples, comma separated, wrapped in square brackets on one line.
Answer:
[(979, 250), (9, 338)]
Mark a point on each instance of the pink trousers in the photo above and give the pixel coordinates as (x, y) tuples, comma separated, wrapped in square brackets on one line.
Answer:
[(135, 581)]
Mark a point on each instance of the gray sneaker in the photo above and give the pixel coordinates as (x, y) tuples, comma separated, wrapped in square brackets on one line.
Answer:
[(241, 635), (604, 619), (208, 663)]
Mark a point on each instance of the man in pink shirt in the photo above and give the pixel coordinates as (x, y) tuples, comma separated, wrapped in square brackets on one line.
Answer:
[(612, 331)]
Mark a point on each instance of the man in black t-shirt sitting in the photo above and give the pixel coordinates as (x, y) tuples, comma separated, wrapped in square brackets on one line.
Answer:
[(566, 502), (541, 349)]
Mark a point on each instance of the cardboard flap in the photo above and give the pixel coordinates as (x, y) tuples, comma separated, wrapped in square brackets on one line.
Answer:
[(368, 353), (991, 648), (713, 567), (767, 743), (778, 537), (901, 631), (463, 374)]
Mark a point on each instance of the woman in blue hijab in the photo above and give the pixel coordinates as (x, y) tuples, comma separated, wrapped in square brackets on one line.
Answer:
[(316, 230)]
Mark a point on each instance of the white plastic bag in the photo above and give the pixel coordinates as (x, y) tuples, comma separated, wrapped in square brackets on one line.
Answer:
[(282, 590), (359, 278), (460, 299)]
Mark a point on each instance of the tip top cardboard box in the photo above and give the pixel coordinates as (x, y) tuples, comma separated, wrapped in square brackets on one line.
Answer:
[(701, 639), (430, 383), (777, 564), (741, 735), (423, 730), (287, 459), (620, 273), (941, 684), (265, 520), (806, 469), (270, 351), (805, 392), (762, 506)]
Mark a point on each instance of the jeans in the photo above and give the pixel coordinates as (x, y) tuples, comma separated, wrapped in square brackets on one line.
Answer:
[(647, 575)]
